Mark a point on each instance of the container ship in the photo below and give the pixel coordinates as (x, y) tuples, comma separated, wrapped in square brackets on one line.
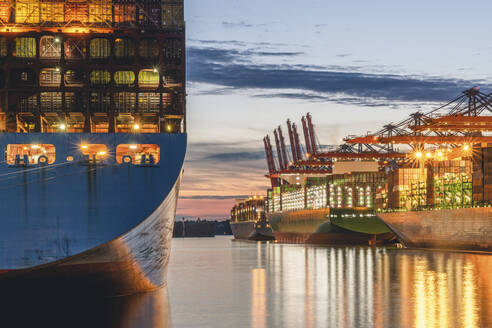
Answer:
[(433, 193), (92, 122), (248, 220)]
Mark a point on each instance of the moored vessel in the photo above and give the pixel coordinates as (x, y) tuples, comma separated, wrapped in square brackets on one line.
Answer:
[(436, 193), (92, 122), (248, 220)]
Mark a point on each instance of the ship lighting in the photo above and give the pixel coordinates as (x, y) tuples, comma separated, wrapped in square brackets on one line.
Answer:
[(133, 147), (466, 147), (102, 153), (418, 154), (35, 146), (136, 127), (84, 146), (63, 126)]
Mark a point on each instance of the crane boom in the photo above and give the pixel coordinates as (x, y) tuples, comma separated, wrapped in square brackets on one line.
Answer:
[(285, 159), (292, 141), (279, 151), (306, 137)]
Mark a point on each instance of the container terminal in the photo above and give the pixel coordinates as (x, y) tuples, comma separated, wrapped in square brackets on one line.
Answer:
[(92, 122), (435, 192)]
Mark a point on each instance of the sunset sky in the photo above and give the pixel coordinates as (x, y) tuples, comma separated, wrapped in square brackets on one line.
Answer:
[(354, 65)]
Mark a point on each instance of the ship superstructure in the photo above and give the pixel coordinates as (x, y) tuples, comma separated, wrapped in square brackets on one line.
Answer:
[(92, 122)]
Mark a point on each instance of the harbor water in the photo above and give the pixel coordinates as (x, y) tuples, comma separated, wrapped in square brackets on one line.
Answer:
[(218, 282)]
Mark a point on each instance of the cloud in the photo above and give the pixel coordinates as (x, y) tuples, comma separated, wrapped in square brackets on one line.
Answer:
[(236, 69), (215, 197), (240, 24), (241, 156)]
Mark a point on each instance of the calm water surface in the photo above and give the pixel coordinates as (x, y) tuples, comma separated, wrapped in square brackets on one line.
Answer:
[(223, 283), (217, 282)]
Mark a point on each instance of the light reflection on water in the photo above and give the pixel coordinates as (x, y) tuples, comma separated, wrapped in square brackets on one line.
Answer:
[(223, 283), (217, 282)]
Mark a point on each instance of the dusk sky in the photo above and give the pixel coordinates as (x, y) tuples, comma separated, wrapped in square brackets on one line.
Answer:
[(354, 65)]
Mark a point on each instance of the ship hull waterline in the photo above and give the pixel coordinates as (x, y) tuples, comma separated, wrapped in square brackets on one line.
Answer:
[(454, 229), (248, 230), (314, 227), (116, 240)]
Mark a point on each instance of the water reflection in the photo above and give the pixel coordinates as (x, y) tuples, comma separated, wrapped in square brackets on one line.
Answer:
[(297, 286), (31, 310)]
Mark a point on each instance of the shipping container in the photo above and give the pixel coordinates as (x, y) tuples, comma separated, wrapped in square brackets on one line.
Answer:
[(74, 78), (149, 13), (100, 48), (25, 47), (148, 78), (75, 49), (5, 11), (4, 47), (148, 102), (50, 77), (172, 14), (23, 77), (73, 101), (171, 79), (124, 78), (28, 103), (173, 51), (50, 47), (76, 11), (100, 12), (124, 12), (50, 101), (100, 101), (148, 50), (124, 101), (100, 78), (27, 11), (124, 49), (52, 12)]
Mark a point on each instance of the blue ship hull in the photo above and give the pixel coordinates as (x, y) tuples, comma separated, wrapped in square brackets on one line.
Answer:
[(106, 226)]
